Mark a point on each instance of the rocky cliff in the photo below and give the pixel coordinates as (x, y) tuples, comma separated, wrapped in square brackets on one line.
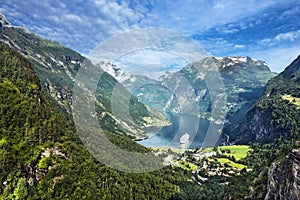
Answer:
[(284, 178), (276, 114), (189, 90), (243, 81)]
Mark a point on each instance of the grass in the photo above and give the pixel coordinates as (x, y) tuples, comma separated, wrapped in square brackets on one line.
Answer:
[(238, 151), (291, 99), (208, 150), (187, 166), (231, 163)]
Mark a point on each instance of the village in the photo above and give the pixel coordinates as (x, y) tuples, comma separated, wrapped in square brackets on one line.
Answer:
[(203, 164)]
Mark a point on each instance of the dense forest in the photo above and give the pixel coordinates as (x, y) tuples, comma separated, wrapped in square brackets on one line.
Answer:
[(42, 156), (57, 67)]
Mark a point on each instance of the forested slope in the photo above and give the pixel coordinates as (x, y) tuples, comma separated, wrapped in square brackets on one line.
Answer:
[(42, 156)]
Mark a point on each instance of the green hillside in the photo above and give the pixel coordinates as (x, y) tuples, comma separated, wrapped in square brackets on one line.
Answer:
[(57, 67), (41, 155), (276, 114), (272, 128)]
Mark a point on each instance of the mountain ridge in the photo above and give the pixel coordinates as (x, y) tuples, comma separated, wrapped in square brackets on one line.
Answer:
[(164, 95), (41, 154), (261, 121), (57, 67)]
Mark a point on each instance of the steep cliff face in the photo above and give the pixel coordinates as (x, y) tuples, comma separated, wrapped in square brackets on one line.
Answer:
[(276, 113), (255, 126), (244, 80), (189, 90), (284, 178)]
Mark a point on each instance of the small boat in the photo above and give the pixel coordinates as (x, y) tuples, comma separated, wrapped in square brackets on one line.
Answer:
[(184, 138)]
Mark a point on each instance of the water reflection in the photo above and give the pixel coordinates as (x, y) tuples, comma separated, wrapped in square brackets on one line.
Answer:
[(173, 136)]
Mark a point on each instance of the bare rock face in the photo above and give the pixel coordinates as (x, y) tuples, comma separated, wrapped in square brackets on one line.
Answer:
[(284, 178), (256, 126), (272, 116)]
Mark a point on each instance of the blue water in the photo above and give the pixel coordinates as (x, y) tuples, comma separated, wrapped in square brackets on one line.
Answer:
[(170, 136)]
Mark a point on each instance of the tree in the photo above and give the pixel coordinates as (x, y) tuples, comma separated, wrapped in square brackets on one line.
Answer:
[(21, 191)]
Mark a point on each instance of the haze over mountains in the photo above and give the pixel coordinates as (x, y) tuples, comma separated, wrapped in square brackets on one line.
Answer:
[(185, 90)]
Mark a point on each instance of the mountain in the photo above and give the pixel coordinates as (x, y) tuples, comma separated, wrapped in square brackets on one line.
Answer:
[(149, 91), (244, 79), (272, 129), (186, 91), (265, 110), (57, 67), (41, 155), (276, 114)]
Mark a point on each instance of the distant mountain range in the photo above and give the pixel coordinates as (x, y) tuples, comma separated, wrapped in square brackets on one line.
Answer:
[(261, 107), (186, 91), (258, 110)]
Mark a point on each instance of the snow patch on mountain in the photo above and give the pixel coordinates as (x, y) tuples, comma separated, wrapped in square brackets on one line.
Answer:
[(240, 59), (116, 72)]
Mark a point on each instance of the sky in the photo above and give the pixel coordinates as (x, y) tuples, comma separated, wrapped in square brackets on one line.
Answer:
[(267, 30)]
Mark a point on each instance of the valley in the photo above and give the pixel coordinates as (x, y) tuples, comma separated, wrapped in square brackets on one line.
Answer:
[(235, 140)]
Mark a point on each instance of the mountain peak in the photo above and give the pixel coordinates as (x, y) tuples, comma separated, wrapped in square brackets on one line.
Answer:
[(240, 61), (241, 58), (115, 71), (3, 20)]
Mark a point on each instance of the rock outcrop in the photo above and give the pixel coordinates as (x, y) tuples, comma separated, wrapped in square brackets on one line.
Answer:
[(284, 178), (273, 116)]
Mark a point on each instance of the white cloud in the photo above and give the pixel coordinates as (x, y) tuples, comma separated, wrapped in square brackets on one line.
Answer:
[(83, 24), (239, 46), (290, 12), (288, 37), (73, 18), (219, 45), (228, 29), (152, 63), (291, 36)]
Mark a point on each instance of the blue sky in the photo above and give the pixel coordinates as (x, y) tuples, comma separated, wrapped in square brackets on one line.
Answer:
[(268, 30)]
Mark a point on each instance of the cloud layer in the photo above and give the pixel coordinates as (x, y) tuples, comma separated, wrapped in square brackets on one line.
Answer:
[(223, 27)]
